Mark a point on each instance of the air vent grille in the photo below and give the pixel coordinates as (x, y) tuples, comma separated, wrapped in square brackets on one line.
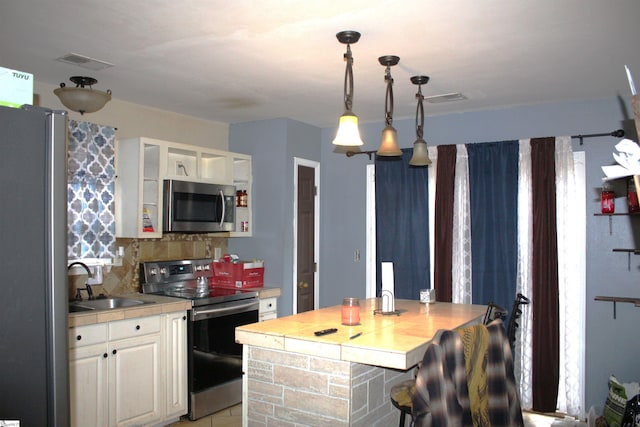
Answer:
[(447, 97), (84, 62)]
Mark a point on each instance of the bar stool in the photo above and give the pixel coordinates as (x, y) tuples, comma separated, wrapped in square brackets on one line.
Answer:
[(401, 398)]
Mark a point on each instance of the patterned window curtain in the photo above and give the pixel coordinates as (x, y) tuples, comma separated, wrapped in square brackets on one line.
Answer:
[(90, 191)]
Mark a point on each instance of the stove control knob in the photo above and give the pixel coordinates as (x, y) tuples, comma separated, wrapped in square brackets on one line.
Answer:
[(207, 267), (163, 271), (153, 271)]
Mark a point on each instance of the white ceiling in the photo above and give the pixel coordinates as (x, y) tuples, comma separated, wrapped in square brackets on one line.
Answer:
[(244, 60)]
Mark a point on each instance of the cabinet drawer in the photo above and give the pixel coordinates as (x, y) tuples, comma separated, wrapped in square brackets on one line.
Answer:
[(81, 336), (134, 327), (268, 304), (268, 316)]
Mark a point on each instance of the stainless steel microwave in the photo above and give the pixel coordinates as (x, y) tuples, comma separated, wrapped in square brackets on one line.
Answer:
[(195, 207)]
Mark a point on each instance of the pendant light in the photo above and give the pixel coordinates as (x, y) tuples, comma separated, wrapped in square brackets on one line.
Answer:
[(420, 152), (80, 98), (348, 133), (389, 141)]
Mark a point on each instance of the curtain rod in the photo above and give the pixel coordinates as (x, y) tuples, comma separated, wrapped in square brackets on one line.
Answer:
[(619, 133)]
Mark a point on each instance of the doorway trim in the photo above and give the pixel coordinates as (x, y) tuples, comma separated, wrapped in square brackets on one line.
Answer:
[(371, 232), (297, 161)]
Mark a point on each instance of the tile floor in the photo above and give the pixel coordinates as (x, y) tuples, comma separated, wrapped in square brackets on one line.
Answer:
[(537, 420), (230, 417)]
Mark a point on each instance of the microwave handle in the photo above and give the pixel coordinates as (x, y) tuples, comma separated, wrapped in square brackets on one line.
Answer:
[(224, 206)]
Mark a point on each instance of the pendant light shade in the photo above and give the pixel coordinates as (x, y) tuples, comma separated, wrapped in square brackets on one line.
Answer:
[(420, 151), (420, 154), (80, 98), (389, 141), (348, 133)]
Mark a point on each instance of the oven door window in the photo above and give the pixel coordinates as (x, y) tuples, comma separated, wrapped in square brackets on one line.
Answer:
[(195, 207), (216, 358)]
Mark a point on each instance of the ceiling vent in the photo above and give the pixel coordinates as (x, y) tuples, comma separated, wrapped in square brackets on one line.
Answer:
[(84, 62), (447, 97)]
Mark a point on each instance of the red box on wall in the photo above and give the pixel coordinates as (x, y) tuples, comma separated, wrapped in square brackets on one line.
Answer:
[(244, 274)]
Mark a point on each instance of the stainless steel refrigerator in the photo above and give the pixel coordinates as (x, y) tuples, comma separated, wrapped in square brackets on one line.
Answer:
[(34, 368)]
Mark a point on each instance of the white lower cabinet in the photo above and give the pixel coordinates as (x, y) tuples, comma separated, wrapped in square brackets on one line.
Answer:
[(88, 359), (268, 309), (119, 373), (176, 364)]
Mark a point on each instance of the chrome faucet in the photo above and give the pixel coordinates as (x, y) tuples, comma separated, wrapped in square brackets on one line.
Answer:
[(87, 286)]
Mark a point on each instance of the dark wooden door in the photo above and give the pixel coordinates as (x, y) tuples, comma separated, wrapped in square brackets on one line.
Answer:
[(306, 244)]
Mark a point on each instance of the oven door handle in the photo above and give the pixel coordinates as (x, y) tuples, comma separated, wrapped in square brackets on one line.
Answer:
[(200, 314)]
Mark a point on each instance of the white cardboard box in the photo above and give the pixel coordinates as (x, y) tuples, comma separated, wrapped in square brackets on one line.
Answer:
[(16, 88)]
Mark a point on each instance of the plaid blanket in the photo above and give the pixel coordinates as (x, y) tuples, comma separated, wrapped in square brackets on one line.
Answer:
[(442, 397)]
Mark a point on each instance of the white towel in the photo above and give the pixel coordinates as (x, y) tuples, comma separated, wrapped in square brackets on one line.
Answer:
[(388, 292)]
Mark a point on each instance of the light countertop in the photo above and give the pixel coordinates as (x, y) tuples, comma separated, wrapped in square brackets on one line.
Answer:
[(391, 341), (159, 305), (267, 292)]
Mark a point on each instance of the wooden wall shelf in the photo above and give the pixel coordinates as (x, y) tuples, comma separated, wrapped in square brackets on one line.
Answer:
[(611, 215), (614, 300)]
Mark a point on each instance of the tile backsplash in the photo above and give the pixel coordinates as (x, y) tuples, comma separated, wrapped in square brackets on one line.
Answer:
[(125, 279)]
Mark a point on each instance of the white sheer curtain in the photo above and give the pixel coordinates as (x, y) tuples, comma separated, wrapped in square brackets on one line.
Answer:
[(523, 346), (571, 222), (461, 250), (433, 155)]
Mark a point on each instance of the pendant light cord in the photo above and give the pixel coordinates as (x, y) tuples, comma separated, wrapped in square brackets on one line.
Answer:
[(348, 80), (419, 113), (388, 100)]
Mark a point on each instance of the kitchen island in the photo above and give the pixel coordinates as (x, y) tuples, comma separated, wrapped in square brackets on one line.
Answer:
[(293, 376)]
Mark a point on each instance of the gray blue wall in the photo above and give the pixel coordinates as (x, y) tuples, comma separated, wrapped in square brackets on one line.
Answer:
[(273, 145), (611, 346)]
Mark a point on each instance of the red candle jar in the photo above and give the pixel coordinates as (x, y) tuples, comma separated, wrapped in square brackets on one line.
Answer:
[(350, 311), (632, 197), (607, 199)]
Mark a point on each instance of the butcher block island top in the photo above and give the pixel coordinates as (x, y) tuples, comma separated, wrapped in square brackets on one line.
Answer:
[(396, 341)]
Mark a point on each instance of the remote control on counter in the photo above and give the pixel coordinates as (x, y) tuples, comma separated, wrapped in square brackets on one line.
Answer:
[(326, 331)]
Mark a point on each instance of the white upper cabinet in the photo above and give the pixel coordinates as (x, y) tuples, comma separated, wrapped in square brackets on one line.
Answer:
[(142, 164)]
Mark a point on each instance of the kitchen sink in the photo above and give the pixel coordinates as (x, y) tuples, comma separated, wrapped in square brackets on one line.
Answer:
[(77, 309), (104, 304)]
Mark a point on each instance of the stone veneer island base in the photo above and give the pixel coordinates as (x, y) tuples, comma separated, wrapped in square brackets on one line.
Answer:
[(293, 377)]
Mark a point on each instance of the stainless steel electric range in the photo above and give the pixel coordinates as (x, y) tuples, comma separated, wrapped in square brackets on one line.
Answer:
[(214, 358)]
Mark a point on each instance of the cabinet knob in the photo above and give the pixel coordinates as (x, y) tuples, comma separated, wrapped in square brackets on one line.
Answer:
[(78, 337), (114, 351), (105, 355), (184, 317), (137, 327)]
